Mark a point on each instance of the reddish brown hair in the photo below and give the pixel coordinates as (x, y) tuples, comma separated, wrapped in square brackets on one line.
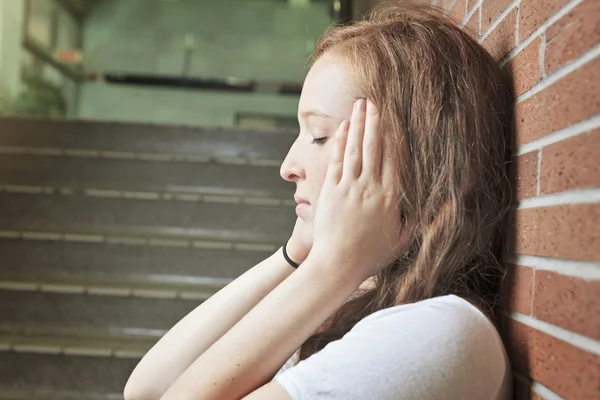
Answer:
[(446, 108)]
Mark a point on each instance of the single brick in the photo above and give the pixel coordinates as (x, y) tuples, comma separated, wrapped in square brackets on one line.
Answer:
[(517, 288), (569, 302), (491, 10), (566, 231), (572, 35), (459, 11), (526, 167), (565, 369), (525, 67), (472, 25), (571, 164), (502, 39), (573, 98), (534, 13)]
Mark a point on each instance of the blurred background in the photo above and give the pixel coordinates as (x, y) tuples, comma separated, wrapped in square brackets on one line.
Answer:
[(196, 62), (140, 147)]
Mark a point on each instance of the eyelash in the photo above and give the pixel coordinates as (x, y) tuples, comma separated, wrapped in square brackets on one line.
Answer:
[(319, 140)]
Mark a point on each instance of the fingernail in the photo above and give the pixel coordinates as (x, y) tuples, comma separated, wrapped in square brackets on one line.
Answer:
[(360, 105), (345, 125)]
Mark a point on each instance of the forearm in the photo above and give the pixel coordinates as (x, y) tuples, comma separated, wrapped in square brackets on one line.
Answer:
[(250, 353), (202, 327)]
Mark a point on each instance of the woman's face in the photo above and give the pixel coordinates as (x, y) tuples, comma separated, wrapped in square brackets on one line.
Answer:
[(324, 103)]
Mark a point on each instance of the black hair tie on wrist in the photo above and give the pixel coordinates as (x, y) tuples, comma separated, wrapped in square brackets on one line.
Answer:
[(287, 258)]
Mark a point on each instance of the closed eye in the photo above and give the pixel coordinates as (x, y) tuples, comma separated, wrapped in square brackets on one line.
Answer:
[(320, 140)]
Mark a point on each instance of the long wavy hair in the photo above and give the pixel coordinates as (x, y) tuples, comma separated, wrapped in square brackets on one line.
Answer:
[(446, 110)]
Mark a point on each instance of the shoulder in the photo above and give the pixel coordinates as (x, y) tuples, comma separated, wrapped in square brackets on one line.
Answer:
[(437, 348), (446, 330), (456, 316)]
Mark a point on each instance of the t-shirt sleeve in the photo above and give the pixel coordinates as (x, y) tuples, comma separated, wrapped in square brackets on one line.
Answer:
[(441, 348)]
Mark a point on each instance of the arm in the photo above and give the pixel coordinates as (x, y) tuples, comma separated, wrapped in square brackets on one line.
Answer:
[(250, 353), (202, 327)]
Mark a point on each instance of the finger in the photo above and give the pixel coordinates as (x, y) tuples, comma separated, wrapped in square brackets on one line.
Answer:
[(372, 145), (353, 153), (334, 169)]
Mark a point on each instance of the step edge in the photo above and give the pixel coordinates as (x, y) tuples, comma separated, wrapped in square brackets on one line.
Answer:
[(137, 238), (32, 332), (89, 289), (200, 196), (139, 156), (186, 283), (36, 394)]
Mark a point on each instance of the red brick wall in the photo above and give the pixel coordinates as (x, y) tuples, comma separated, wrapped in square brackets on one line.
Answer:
[(552, 310), (552, 324)]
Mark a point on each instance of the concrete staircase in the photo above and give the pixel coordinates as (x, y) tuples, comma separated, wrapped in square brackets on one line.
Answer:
[(110, 233)]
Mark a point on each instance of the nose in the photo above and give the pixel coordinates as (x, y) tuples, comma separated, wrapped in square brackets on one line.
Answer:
[(291, 169)]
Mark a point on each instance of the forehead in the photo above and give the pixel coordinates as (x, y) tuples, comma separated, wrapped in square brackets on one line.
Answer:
[(327, 88)]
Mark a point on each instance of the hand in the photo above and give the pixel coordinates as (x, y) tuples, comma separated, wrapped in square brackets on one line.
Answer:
[(300, 243), (357, 223)]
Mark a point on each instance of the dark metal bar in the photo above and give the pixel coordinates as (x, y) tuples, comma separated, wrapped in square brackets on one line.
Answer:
[(199, 83)]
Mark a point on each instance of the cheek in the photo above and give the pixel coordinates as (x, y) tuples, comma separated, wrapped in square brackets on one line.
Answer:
[(319, 171)]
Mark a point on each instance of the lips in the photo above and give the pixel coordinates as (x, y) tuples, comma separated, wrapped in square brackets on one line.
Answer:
[(300, 200), (302, 207)]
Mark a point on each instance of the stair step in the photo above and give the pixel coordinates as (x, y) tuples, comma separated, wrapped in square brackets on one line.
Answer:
[(7, 394), (112, 265), (74, 345), (37, 395), (144, 138), (85, 285), (130, 217), (59, 314), (144, 176), (110, 233), (59, 377)]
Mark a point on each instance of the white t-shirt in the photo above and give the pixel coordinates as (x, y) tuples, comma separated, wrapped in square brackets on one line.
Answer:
[(440, 348)]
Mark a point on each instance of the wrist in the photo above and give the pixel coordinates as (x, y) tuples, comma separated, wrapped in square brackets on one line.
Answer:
[(336, 265), (290, 259), (295, 251)]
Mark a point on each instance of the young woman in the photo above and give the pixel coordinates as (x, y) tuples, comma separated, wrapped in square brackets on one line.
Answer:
[(402, 190)]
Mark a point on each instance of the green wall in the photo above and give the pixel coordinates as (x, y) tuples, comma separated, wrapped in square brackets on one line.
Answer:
[(255, 39), (11, 22)]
